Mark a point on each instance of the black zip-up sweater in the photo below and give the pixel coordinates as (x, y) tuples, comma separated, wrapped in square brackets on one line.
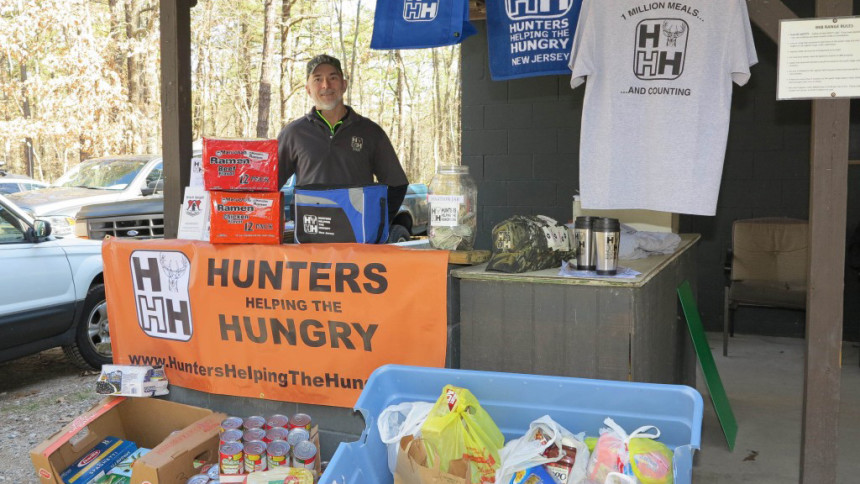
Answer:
[(353, 154)]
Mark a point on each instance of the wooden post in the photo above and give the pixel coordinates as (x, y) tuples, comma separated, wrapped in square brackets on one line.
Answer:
[(175, 21), (827, 218)]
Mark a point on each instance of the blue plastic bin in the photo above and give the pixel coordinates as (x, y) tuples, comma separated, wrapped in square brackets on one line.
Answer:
[(515, 400)]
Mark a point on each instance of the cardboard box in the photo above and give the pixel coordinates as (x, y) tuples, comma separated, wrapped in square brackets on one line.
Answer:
[(246, 218), (176, 433), (644, 220), (248, 165)]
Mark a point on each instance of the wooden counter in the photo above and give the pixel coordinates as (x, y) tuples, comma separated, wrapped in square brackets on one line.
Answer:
[(594, 327)]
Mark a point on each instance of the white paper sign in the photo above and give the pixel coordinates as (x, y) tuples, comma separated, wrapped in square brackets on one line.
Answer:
[(444, 210), (196, 177), (194, 215), (819, 58)]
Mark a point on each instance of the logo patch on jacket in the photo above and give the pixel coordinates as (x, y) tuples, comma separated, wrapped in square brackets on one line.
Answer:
[(357, 143)]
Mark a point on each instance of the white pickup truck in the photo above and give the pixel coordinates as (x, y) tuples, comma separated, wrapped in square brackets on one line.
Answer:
[(96, 181)]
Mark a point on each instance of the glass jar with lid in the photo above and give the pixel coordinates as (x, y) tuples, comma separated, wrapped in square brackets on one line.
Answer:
[(453, 200)]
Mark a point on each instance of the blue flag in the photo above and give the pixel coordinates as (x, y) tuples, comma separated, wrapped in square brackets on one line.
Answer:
[(530, 37), (418, 24)]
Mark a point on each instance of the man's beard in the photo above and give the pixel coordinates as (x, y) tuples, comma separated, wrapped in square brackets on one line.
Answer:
[(326, 105)]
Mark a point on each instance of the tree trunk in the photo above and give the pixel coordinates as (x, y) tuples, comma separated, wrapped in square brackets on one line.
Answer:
[(286, 59), (437, 110), (264, 100), (130, 57), (245, 93), (396, 126), (352, 67), (27, 148)]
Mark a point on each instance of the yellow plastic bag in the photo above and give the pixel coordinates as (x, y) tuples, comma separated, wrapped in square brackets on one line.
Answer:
[(651, 461), (457, 427)]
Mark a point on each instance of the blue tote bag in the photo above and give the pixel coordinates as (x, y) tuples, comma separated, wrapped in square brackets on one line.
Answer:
[(418, 24), (341, 214)]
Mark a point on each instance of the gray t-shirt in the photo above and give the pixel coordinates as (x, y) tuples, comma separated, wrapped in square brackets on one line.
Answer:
[(358, 150), (656, 113)]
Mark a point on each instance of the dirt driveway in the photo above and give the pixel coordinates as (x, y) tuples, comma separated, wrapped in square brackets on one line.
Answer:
[(38, 395)]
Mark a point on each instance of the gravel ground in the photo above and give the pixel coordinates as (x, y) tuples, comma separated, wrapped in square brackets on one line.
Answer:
[(38, 395)]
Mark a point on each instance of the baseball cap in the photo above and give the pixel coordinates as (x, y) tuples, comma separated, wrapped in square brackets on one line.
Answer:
[(522, 243), (323, 59)]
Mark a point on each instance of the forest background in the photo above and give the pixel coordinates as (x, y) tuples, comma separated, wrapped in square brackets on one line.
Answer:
[(81, 78)]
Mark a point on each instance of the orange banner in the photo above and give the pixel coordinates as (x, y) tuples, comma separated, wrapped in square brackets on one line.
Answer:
[(298, 323)]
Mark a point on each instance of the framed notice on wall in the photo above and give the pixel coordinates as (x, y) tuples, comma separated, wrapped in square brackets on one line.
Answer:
[(819, 58)]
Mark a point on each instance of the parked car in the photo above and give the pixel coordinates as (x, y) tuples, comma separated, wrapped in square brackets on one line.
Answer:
[(100, 180), (52, 292), (143, 218), (11, 183)]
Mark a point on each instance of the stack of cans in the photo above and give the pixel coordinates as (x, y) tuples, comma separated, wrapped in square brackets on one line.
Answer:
[(256, 444)]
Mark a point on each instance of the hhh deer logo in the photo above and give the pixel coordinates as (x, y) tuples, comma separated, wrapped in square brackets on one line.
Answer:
[(420, 10), (672, 31), (310, 224), (160, 280), (537, 9), (661, 49), (174, 267)]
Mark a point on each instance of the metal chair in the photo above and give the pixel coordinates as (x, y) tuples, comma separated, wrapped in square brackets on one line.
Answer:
[(767, 267)]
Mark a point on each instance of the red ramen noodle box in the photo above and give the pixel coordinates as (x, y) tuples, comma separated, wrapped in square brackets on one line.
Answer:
[(246, 218), (245, 165)]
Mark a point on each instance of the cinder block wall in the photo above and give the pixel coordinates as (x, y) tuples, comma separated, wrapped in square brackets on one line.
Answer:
[(521, 143)]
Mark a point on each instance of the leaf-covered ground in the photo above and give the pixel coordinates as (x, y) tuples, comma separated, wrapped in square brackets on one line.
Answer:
[(39, 394)]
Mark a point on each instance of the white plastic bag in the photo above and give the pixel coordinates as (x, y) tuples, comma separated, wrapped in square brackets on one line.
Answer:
[(611, 454), (527, 451), (398, 421)]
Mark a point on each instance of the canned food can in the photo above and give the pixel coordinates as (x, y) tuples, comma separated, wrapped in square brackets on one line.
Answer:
[(277, 420), (254, 422), (297, 435), (231, 458), (275, 433), (277, 452), (232, 435), (300, 420), (305, 455), (254, 434), (255, 456), (231, 423), (212, 472), (209, 470), (198, 479)]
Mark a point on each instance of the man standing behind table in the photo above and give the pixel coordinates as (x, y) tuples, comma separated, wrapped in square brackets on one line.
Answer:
[(334, 145)]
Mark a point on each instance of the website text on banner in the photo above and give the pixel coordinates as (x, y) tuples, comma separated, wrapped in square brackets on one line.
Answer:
[(303, 324)]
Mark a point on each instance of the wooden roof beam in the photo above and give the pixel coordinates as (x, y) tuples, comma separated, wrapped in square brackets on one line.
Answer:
[(766, 14)]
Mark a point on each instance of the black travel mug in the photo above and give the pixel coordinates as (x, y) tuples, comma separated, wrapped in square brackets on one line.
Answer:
[(607, 238)]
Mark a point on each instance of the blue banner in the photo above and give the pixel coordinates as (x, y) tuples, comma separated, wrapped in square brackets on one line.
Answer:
[(418, 24), (530, 37)]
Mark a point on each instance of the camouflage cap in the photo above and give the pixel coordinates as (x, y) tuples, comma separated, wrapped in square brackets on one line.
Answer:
[(523, 243), (323, 59)]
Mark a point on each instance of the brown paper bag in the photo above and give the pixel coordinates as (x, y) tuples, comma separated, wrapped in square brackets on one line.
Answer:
[(412, 466)]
